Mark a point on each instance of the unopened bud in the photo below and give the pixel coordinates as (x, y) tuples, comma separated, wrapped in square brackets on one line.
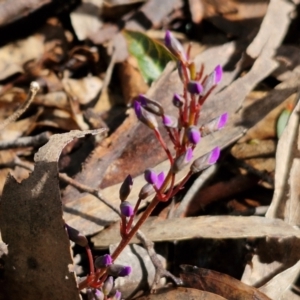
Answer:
[(182, 160), (125, 188), (193, 135), (177, 101), (206, 160), (95, 294), (116, 296), (150, 176), (146, 191), (214, 125), (118, 270), (76, 237), (108, 285), (151, 105), (174, 46), (194, 87), (103, 261), (170, 121), (144, 116), (181, 70), (126, 209)]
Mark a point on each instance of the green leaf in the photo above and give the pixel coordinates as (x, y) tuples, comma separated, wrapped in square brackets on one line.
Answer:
[(151, 55), (282, 121)]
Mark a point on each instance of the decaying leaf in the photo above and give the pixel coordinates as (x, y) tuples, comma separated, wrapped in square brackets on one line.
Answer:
[(213, 227), (152, 56), (181, 293), (220, 284), (39, 262)]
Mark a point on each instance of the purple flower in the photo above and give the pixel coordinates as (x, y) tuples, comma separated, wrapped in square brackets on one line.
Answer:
[(218, 71), (151, 105), (126, 209), (205, 160), (94, 294), (214, 155), (150, 176), (174, 46), (125, 188), (170, 121), (76, 237), (144, 116), (116, 296), (182, 160), (222, 121), (118, 270), (193, 135), (160, 180), (194, 87), (103, 261), (177, 101)]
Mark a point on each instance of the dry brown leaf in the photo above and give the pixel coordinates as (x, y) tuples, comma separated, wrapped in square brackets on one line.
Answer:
[(31, 223), (84, 90), (181, 293), (278, 285), (220, 284), (281, 254), (218, 227)]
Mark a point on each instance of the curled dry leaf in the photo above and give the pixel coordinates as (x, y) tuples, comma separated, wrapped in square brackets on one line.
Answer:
[(31, 223), (220, 284)]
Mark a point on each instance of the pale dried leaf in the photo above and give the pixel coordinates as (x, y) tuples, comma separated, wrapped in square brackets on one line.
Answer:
[(219, 227)]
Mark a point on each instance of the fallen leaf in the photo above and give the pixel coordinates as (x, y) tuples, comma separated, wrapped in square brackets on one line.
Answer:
[(35, 226), (218, 227), (152, 56), (220, 284), (181, 293)]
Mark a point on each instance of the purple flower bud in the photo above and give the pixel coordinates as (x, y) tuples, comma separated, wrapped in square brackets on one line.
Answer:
[(151, 105), (146, 191), (76, 237), (193, 135), (182, 160), (194, 87), (126, 209), (206, 160), (94, 294), (174, 46), (125, 188), (177, 101), (222, 121), (116, 296), (150, 176), (181, 67), (214, 155), (144, 116), (214, 125), (103, 261), (170, 121), (218, 74), (160, 180), (108, 285), (118, 270)]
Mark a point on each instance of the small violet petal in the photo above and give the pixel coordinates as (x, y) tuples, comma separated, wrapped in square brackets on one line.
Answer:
[(222, 121), (150, 176), (218, 74), (160, 180), (125, 271), (214, 155), (189, 154), (193, 135), (137, 109)]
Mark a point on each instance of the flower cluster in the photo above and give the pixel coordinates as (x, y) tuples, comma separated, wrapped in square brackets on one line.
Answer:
[(185, 132)]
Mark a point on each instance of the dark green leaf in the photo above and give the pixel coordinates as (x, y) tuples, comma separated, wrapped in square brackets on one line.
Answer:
[(151, 55)]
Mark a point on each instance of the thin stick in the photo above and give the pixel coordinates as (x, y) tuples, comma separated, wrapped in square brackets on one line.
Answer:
[(33, 89)]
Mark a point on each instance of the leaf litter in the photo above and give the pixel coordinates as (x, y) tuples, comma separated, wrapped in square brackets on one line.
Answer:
[(72, 83)]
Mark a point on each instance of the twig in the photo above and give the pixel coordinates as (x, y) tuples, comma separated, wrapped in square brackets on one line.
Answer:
[(34, 87), (28, 141)]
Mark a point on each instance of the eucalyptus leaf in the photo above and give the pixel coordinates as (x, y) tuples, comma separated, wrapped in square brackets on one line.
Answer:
[(151, 55)]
